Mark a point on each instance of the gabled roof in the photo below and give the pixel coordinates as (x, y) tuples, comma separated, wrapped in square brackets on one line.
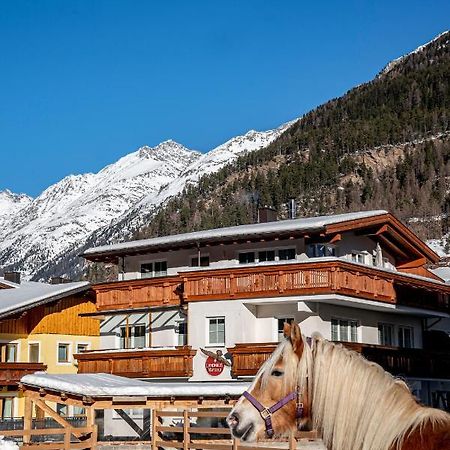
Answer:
[(331, 224), (29, 294)]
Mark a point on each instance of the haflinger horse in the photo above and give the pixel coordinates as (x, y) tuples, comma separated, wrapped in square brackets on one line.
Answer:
[(353, 403)]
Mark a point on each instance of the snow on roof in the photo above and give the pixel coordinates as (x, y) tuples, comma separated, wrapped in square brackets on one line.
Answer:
[(303, 224), (443, 272), (28, 294), (106, 385)]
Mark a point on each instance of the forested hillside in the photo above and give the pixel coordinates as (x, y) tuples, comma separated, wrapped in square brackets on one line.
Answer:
[(384, 144)]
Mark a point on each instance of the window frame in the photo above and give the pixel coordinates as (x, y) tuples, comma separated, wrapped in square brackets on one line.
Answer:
[(132, 337), (178, 334), (68, 345), (402, 328), (349, 329), (86, 344), (393, 333), (202, 256), (153, 273), (249, 252), (208, 331), (39, 350)]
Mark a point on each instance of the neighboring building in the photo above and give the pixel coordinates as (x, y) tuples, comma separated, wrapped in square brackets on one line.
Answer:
[(40, 329), (360, 278)]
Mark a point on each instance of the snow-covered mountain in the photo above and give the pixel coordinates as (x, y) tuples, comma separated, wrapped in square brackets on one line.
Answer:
[(43, 236)]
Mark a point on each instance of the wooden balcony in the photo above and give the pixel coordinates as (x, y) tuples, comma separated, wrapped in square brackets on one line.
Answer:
[(314, 278), (409, 362), (145, 292), (12, 372), (139, 363)]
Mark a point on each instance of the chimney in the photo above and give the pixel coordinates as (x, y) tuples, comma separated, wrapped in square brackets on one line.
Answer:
[(59, 280), (292, 208), (13, 277), (267, 214)]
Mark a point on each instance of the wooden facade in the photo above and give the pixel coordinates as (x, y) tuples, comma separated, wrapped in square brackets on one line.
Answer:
[(59, 317), (164, 291), (409, 362), (146, 363)]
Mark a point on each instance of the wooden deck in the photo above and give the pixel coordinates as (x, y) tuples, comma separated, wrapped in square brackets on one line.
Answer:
[(411, 362), (144, 363)]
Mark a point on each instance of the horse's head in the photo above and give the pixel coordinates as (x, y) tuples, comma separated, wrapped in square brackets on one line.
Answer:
[(278, 400)]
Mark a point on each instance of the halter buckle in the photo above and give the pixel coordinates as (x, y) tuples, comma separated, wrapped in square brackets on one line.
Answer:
[(265, 413)]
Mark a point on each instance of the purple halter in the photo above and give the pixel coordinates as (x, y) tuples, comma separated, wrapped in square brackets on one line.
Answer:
[(266, 413)]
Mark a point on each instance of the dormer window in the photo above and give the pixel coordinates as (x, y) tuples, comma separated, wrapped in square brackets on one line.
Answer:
[(358, 257), (320, 250)]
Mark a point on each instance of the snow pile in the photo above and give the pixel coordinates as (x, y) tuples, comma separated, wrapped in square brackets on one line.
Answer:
[(7, 445)]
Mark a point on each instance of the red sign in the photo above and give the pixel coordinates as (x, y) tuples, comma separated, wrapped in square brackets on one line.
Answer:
[(214, 367)]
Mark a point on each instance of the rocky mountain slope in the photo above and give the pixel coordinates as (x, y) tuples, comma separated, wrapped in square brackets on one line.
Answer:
[(42, 237)]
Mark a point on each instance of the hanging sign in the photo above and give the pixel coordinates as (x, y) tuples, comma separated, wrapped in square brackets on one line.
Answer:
[(213, 366)]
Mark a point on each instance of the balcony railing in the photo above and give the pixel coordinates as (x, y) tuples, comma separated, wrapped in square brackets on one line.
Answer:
[(410, 362), (161, 291), (314, 278), (139, 363), (12, 372), (288, 279)]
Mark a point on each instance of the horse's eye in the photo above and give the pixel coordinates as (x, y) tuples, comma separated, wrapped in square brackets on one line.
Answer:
[(277, 373)]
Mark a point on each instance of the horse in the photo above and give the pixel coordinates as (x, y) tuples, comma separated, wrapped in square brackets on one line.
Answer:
[(353, 403)]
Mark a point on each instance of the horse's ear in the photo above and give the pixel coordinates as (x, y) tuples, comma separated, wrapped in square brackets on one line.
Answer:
[(293, 333)]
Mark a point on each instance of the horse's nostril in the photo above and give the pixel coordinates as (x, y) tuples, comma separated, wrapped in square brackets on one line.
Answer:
[(233, 420)]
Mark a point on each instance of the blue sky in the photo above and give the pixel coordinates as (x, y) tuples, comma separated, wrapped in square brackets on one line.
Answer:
[(85, 82)]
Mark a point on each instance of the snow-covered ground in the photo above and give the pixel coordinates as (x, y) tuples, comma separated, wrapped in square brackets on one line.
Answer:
[(107, 206), (7, 445)]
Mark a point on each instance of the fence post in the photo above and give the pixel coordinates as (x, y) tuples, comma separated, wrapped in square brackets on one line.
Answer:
[(67, 436), (27, 419), (186, 434), (235, 444), (153, 428)]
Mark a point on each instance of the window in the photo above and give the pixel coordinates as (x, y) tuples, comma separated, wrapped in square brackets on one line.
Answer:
[(320, 250), (405, 337), (9, 352), (286, 253), (246, 258), (79, 411), (160, 268), (7, 407), (181, 330), (281, 323), (136, 336), (82, 348), (358, 257), (204, 261), (139, 336), (266, 255), (33, 353), (147, 269), (62, 410), (154, 269), (63, 353), (216, 330), (344, 330), (385, 334)]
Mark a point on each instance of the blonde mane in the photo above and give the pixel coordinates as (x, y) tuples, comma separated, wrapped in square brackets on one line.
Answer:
[(357, 405)]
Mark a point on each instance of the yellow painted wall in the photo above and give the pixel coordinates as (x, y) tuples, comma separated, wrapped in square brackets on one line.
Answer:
[(48, 355)]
